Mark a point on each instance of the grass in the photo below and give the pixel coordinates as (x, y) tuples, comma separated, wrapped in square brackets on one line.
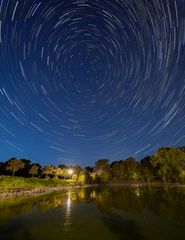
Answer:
[(21, 182)]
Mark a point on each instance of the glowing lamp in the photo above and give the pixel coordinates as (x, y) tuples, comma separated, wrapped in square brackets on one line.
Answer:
[(70, 171)]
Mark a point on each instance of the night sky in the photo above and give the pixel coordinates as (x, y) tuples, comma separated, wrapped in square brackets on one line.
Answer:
[(88, 79)]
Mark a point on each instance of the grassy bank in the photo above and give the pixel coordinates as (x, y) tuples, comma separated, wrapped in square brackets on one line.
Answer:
[(21, 182)]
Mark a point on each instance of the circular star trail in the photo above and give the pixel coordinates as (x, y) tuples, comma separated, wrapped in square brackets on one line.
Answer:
[(82, 79)]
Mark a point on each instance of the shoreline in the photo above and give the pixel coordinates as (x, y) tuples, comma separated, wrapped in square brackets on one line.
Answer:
[(144, 184), (29, 191)]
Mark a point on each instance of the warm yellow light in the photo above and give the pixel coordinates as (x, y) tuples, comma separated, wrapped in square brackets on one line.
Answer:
[(70, 171)]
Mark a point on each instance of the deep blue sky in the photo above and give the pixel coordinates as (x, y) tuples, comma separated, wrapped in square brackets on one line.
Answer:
[(82, 80)]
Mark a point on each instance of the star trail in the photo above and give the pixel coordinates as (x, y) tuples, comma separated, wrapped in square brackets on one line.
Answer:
[(83, 79)]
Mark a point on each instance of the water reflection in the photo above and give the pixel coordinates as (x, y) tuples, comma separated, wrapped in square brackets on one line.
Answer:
[(68, 204), (123, 228), (115, 213), (67, 221), (168, 202)]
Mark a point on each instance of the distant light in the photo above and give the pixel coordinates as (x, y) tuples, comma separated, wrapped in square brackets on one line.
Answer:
[(70, 171)]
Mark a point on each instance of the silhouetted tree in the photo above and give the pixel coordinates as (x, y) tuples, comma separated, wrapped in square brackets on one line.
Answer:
[(47, 170), (24, 172), (89, 169), (3, 170), (146, 169), (13, 165), (34, 170), (102, 169), (118, 170), (62, 166)]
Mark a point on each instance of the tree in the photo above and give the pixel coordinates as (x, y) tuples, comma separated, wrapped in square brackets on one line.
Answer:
[(64, 169), (76, 169), (3, 170), (47, 170), (118, 170), (34, 170), (102, 169), (84, 177), (57, 172), (13, 165), (182, 149), (146, 169), (89, 169), (65, 172), (131, 169), (169, 163), (62, 166), (25, 171), (75, 177)]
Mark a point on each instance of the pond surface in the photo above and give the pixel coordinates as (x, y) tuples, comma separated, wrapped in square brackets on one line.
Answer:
[(109, 213)]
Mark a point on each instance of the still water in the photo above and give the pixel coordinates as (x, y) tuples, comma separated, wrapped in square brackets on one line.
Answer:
[(109, 213)]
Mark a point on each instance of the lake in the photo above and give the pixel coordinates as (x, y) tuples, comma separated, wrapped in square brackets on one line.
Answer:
[(107, 213)]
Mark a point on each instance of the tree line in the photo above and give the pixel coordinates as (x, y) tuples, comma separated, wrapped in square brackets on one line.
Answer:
[(166, 165)]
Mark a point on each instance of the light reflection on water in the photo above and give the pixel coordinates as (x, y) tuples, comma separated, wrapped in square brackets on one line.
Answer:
[(67, 222), (115, 213)]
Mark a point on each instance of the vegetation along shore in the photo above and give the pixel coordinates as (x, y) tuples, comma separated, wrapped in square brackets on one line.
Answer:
[(167, 165)]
